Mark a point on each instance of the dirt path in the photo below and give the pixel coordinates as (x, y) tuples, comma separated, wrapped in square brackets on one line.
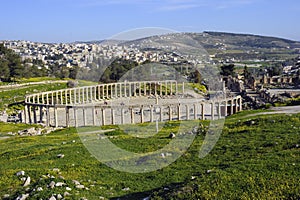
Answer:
[(279, 110)]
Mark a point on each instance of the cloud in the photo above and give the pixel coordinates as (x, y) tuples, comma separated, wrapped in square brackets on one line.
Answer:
[(170, 5), (178, 7)]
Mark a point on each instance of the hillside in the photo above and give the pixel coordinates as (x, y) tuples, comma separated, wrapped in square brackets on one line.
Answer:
[(223, 46)]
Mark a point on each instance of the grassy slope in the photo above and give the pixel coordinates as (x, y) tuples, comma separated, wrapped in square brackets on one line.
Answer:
[(249, 161)]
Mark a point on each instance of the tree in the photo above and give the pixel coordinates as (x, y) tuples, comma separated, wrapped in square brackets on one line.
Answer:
[(227, 70)]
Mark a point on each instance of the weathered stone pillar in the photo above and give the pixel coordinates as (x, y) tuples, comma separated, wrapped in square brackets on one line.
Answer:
[(125, 89), (103, 116), (94, 115), (84, 116), (161, 114), (166, 88), (41, 114), (61, 97), (236, 106), (212, 111), (120, 85), (178, 111), (134, 89), (67, 117), (145, 88), (226, 108), (170, 113), (219, 110), (231, 107), (155, 89), (43, 99), (75, 96), (47, 116), (183, 88), (107, 96), (151, 114), (241, 104), (122, 116), (130, 92), (142, 114), (75, 117), (25, 115), (113, 120), (132, 115), (202, 111), (29, 114), (187, 112), (52, 98), (171, 88), (55, 117), (34, 115), (176, 88), (160, 89), (195, 111)]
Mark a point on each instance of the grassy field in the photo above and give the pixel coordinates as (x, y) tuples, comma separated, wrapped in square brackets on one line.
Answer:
[(255, 158)]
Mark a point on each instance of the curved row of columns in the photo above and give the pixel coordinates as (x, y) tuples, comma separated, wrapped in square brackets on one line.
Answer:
[(70, 107), (88, 94), (97, 115)]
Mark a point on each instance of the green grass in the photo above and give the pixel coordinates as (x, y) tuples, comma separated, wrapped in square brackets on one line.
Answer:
[(257, 160), (15, 95)]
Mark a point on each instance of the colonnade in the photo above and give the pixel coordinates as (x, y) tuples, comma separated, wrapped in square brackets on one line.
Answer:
[(84, 106), (88, 94)]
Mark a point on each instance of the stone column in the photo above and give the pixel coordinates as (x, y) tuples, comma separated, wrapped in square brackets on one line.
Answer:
[(241, 104), (219, 110), (107, 96), (142, 114), (47, 116), (212, 111), (125, 89), (132, 115), (166, 88), (226, 109), (161, 114), (160, 89), (122, 116), (67, 117), (43, 98), (183, 88), (134, 89), (176, 88), (155, 89), (113, 120), (130, 92), (195, 111), (34, 115), (151, 114), (103, 116), (178, 111), (41, 114), (187, 112), (29, 114), (66, 96), (171, 88), (145, 88), (75, 117), (84, 116), (121, 95), (202, 111), (236, 105), (25, 115), (55, 117), (94, 114), (61, 97), (170, 113), (231, 107), (140, 89), (75, 96), (52, 98)]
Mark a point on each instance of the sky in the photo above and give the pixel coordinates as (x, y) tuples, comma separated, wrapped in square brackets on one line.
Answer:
[(86, 20)]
